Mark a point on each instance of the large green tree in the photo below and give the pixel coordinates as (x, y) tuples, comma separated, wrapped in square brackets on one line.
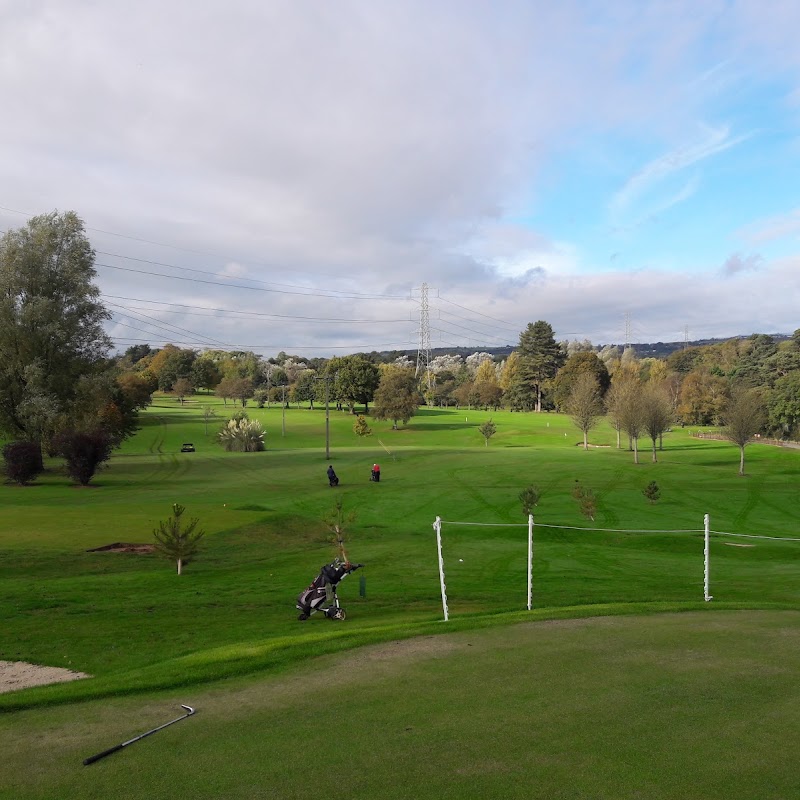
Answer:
[(396, 397), (783, 404), (355, 381), (540, 357), (51, 324), (579, 363)]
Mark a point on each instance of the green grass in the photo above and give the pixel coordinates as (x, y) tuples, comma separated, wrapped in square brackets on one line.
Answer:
[(137, 627), (665, 707)]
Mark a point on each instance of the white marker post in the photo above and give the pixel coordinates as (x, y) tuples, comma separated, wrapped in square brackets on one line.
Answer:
[(530, 559), (706, 595), (437, 526)]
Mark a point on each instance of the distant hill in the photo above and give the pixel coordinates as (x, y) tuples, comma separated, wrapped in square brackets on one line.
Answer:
[(642, 349)]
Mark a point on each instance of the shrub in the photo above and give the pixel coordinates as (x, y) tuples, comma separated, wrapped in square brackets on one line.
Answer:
[(360, 427), (652, 492), (23, 461), (84, 452), (242, 435)]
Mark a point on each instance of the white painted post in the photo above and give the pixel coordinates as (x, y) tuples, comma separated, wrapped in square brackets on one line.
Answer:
[(530, 559), (706, 525), (437, 526)]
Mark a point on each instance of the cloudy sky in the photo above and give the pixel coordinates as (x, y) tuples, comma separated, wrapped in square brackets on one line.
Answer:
[(275, 175)]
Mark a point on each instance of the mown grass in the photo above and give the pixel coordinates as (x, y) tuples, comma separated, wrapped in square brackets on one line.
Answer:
[(132, 623), (638, 703), (666, 707)]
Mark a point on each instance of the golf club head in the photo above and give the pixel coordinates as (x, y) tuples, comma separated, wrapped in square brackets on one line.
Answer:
[(189, 710)]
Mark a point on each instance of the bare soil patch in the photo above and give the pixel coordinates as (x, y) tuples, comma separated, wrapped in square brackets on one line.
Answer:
[(16, 675), (123, 547)]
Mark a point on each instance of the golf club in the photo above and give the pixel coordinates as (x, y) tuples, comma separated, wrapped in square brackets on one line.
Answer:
[(92, 759)]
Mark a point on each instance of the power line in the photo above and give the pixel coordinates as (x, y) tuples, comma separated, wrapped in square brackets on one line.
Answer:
[(169, 324), (406, 345), (259, 314), (255, 288), (254, 280), (480, 314)]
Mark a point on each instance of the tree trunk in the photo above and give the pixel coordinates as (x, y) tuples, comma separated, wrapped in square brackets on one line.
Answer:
[(619, 445), (635, 451), (585, 440), (180, 564), (655, 459), (741, 460)]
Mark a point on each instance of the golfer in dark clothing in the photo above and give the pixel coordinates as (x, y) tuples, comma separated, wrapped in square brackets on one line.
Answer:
[(332, 479)]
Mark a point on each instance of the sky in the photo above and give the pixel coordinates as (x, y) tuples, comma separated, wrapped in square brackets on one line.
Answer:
[(318, 177)]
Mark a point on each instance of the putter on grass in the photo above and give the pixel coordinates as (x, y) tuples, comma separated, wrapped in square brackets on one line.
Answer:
[(92, 759)]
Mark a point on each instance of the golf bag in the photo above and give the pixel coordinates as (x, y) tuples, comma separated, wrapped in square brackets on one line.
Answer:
[(321, 593)]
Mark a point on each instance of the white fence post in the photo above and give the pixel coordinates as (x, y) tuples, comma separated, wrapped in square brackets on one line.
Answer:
[(530, 560), (706, 525), (437, 526)]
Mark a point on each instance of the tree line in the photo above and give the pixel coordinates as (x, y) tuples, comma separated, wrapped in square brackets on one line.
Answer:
[(59, 379)]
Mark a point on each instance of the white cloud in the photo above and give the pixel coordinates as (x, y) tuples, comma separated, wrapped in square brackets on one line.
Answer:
[(365, 148), (649, 178), (779, 226)]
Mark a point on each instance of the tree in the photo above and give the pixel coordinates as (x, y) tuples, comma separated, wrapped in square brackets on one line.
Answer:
[(84, 452), (743, 418), (529, 497), (205, 373), (396, 397), (176, 542), (579, 363), (51, 324), (631, 416), (540, 357), (241, 389), (656, 414), (360, 427), (584, 404), (338, 522), (702, 397), (783, 403), (181, 388), (616, 401), (178, 364), (652, 492), (356, 380), (487, 430), (587, 502), (304, 389)]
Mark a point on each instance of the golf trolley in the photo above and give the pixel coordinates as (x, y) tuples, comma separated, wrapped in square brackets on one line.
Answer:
[(321, 593)]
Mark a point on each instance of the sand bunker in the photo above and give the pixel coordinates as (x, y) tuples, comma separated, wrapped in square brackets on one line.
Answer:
[(21, 675), (123, 547)]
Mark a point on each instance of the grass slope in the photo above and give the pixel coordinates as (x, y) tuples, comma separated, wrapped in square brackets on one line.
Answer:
[(132, 623), (667, 707)]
